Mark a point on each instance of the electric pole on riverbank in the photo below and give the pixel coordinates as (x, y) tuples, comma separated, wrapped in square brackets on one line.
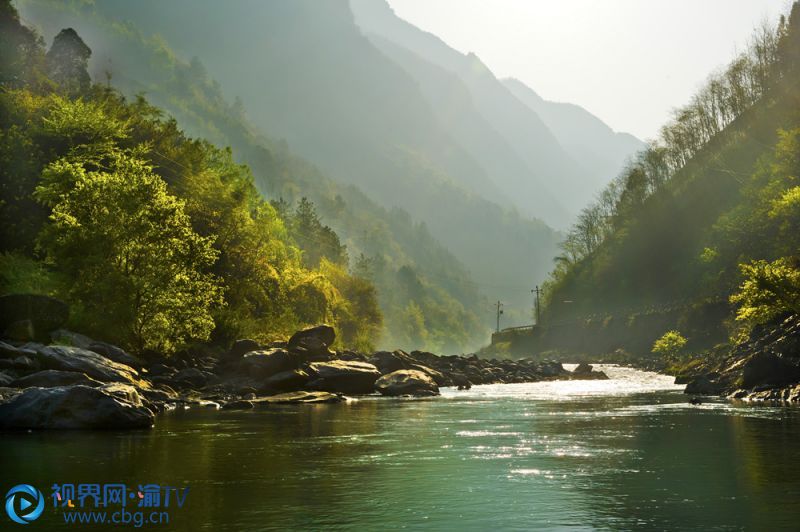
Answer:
[(536, 291), (499, 312)]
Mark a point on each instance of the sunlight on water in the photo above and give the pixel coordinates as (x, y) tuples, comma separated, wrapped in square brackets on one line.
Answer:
[(621, 381), (622, 454)]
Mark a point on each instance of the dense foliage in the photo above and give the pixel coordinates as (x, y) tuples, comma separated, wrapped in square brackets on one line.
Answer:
[(155, 239), (709, 213)]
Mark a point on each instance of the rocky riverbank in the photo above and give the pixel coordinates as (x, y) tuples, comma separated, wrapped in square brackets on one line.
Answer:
[(764, 368), (76, 382)]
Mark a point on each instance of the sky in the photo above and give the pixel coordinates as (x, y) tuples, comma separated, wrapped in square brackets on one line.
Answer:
[(630, 62)]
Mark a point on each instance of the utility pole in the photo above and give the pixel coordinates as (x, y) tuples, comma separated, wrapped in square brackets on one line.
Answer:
[(536, 291), (499, 312)]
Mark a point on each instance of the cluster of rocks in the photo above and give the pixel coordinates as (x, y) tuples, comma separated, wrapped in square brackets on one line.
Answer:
[(764, 368), (91, 384)]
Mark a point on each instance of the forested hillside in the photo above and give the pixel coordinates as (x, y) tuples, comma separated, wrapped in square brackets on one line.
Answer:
[(300, 274), (708, 214), (324, 95), (440, 309)]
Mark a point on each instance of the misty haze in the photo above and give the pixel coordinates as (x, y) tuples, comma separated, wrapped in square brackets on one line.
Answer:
[(381, 264)]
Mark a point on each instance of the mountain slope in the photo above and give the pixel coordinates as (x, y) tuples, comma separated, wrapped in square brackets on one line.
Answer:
[(292, 87), (601, 151), (553, 164), (701, 233), (394, 247)]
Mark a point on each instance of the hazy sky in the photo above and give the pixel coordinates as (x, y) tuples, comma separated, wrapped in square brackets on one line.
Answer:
[(627, 61)]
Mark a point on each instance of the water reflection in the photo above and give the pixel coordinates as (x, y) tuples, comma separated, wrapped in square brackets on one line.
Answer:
[(619, 454)]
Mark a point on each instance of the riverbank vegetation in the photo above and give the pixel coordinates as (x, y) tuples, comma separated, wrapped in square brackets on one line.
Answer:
[(706, 216), (155, 239), (381, 278)]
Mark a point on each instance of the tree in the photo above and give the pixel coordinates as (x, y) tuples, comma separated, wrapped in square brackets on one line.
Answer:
[(769, 290), (21, 56), (670, 345), (316, 240), (139, 268)]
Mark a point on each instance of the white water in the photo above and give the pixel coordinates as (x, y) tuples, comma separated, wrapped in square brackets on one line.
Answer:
[(622, 381)]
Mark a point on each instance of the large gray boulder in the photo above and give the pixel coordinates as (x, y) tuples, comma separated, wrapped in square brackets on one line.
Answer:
[(117, 354), (343, 376), (259, 365), (51, 378), (285, 381), (767, 368), (300, 398), (72, 407), (407, 382), (10, 352), (388, 362), (84, 361), (324, 333)]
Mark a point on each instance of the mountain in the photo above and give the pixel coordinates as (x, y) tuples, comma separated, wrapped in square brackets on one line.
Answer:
[(701, 234), (305, 74), (407, 264), (601, 151), (561, 153)]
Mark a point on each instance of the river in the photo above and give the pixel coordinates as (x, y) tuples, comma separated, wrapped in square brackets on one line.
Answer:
[(627, 453)]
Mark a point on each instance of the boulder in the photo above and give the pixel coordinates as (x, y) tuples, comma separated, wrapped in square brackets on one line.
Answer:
[(582, 369), (10, 352), (437, 376), (293, 379), (32, 314), (265, 363), (73, 339), (769, 368), (301, 398), (407, 382), (125, 392), (239, 348), (707, 384), (387, 362), (551, 369), (238, 405), (5, 379), (51, 378), (84, 361), (190, 378), (23, 364), (115, 353), (310, 349), (343, 376), (324, 333), (72, 407)]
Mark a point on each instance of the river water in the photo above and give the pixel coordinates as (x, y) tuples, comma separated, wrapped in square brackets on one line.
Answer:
[(627, 453)]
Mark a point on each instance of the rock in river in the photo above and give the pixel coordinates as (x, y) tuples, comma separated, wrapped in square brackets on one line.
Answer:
[(407, 382), (81, 360), (324, 333), (72, 407), (343, 376), (51, 378), (300, 398)]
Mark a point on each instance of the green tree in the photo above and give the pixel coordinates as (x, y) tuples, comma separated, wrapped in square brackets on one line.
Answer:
[(769, 290), (317, 241), (139, 268), (670, 346)]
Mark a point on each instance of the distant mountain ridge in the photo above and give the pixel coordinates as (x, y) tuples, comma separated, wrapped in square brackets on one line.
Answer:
[(467, 159), (568, 154)]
